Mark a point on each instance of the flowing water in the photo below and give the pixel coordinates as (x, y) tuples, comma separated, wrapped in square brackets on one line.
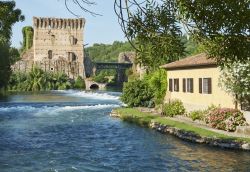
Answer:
[(70, 131)]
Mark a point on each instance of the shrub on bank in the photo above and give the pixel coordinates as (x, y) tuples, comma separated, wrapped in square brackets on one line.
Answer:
[(79, 83), (137, 93), (225, 119), (39, 80), (173, 108), (197, 115)]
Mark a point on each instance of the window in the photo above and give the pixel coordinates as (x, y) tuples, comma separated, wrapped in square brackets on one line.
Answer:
[(73, 40), (176, 85), (205, 85), (173, 85), (188, 85), (72, 56), (170, 84), (50, 54)]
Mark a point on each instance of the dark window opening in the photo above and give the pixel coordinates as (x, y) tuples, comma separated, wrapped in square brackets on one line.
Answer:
[(50, 54), (190, 84), (73, 40), (176, 85), (72, 56)]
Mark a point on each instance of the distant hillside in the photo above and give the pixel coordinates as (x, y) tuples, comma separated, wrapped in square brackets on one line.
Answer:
[(110, 52), (107, 52)]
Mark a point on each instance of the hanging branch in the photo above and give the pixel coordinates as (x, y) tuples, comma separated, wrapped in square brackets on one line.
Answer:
[(81, 3)]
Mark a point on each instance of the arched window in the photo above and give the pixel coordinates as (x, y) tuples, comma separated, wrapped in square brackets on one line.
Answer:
[(50, 54), (73, 40)]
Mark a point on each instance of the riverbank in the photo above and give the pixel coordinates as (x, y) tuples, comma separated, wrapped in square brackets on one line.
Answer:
[(181, 130)]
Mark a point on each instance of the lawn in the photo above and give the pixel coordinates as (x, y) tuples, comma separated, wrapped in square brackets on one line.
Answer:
[(144, 119)]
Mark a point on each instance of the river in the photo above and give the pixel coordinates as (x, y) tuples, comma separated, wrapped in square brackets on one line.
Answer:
[(71, 131)]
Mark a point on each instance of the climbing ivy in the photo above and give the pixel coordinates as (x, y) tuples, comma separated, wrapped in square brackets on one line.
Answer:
[(28, 33)]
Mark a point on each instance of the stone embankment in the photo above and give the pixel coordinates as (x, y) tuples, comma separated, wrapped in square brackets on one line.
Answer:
[(193, 137)]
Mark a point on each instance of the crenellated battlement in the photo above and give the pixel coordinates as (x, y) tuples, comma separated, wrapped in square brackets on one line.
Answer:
[(58, 23)]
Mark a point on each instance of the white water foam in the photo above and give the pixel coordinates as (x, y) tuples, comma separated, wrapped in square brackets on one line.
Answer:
[(54, 109), (92, 95)]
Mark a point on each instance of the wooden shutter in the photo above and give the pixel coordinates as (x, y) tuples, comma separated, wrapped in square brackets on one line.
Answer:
[(178, 85), (209, 85), (200, 85), (170, 85), (184, 85), (191, 85)]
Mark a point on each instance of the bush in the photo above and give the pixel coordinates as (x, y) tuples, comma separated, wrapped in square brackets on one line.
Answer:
[(225, 119), (38, 80), (137, 93), (79, 83), (158, 82), (101, 77), (197, 115), (173, 108)]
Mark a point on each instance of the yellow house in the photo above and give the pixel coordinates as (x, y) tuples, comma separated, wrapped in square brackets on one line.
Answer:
[(195, 81)]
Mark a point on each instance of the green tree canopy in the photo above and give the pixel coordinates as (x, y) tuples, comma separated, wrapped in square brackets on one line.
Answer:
[(156, 33), (8, 17), (221, 26)]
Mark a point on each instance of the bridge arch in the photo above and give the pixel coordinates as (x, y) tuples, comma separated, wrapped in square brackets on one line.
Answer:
[(94, 86), (119, 67)]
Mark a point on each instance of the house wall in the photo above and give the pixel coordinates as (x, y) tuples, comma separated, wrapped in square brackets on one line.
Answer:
[(196, 100)]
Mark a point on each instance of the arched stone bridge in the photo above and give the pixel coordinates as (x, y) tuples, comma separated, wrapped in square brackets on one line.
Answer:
[(119, 67)]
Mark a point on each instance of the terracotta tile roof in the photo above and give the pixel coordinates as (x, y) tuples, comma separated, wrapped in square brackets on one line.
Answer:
[(189, 62)]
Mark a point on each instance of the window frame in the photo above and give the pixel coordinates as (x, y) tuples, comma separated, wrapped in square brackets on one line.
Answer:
[(205, 85)]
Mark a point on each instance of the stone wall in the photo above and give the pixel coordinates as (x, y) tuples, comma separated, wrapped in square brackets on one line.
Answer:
[(57, 46)]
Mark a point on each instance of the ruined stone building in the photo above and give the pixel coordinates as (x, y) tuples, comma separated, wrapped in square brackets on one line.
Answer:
[(57, 47)]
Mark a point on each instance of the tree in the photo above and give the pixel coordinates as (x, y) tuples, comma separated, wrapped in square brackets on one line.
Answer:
[(8, 17), (155, 34), (236, 80), (221, 26)]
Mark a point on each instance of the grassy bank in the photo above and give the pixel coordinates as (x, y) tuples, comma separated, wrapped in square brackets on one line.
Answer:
[(144, 119)]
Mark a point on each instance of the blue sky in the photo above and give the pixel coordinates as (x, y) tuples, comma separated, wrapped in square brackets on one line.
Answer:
[(100, 29)]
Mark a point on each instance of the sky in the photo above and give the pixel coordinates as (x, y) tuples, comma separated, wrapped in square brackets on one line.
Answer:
[(99, 29)]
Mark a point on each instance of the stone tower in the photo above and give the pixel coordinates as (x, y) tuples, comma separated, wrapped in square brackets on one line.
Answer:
[(58, 45)]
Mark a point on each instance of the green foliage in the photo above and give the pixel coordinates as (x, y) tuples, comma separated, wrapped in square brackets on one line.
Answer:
[(197, 115), (225, 119), (223, 28), (191, 46), (101, 77), (236, 80), (173, 108), (28, 33), (79, 83), (5, 70), (158, 83), (147, 118), (137, 93), (106, 52), (8, 17), (38, 80), (156, 34)]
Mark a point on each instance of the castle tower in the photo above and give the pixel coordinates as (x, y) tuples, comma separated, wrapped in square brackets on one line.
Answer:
[(58, 45)]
